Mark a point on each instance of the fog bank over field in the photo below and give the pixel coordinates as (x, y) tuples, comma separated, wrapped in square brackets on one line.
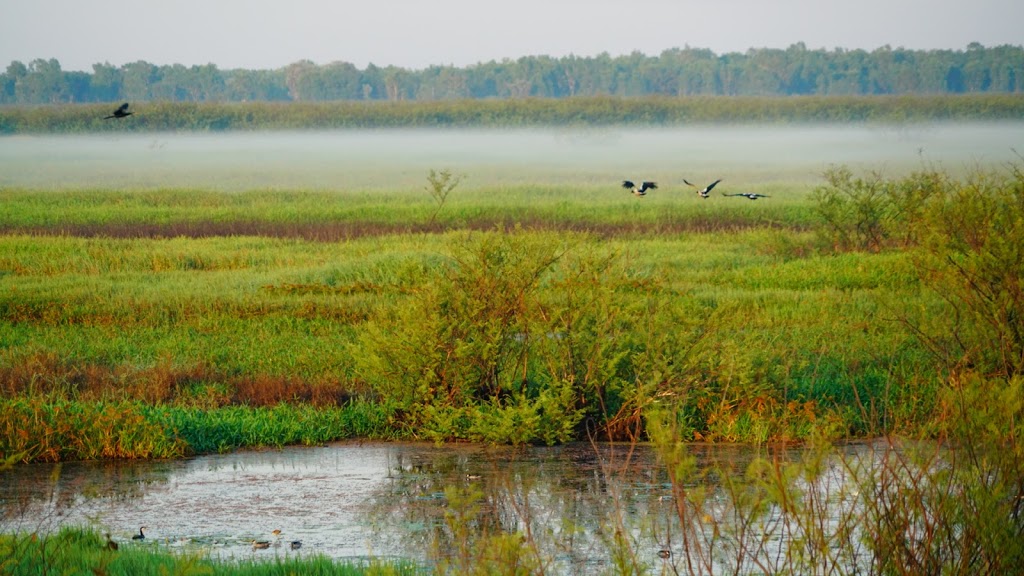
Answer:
[(749, 156)]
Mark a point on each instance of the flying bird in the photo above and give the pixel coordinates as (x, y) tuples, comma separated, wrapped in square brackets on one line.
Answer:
[(642, 190), (121, 112), (749, 195), (705, 192)]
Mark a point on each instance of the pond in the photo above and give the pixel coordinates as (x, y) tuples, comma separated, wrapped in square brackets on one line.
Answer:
[(384, 500)]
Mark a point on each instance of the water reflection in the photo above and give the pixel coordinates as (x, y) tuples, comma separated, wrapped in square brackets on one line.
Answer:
[(576, 503)]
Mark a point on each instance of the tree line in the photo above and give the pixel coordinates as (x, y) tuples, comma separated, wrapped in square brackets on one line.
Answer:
[(687, 71)]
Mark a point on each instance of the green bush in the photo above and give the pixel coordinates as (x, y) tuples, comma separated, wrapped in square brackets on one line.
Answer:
[(517, 338)]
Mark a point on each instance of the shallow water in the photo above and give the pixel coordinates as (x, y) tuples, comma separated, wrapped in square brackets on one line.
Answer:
[(357, 500), (390, 159)]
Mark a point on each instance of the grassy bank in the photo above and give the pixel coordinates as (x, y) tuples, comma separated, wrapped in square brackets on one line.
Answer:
[(78, 551)]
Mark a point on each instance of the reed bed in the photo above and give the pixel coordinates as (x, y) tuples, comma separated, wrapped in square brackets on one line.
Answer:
[(504, 112)]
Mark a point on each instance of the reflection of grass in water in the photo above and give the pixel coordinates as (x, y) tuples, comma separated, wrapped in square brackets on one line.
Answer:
[(890, 507)]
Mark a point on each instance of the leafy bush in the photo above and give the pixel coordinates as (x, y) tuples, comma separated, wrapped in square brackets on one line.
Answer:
[(972, 256), (517, 338), (873, 213)]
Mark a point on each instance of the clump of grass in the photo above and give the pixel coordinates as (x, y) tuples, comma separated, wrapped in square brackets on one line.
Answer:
[(83, 551), (54, 429), (43, 373), (67, 430)]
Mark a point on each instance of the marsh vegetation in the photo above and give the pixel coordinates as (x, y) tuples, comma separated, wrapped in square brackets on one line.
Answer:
[(145, 322)]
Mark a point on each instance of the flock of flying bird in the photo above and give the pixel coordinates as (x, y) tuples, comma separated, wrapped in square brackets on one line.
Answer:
[(638, 191), (256, 544), (705, 192)]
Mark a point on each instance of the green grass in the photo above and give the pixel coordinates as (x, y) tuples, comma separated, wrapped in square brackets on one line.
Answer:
[(96, 306), (532, 309), (342, 215), (57, 429), (84, 551)]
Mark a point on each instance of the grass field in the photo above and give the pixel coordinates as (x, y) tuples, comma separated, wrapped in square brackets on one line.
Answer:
[(217, 297), (206, 299), (538, 290)]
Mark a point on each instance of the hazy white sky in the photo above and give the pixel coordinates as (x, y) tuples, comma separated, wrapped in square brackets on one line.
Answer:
[(419, 33)]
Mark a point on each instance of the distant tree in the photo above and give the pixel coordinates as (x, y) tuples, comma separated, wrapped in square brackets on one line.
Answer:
[(139, 78), (254, 85), (43, 83), (398, 83), (335, 81), (372, 83), (107, 83), (675, 72), (79, 87), (207, 83), (15, 72), (955, 80), (295, 76)]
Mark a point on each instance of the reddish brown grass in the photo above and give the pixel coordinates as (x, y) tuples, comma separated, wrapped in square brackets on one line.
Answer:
[(336, 231), (164, 382)]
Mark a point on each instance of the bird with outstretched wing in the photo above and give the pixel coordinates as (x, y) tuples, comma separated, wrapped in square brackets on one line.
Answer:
[(703, 192), (641, 190), (749, 195), (121, 112)]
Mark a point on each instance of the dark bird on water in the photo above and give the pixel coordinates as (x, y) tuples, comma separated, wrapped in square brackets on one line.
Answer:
[(703, 192), (642, 190), (121, 112), (296, 544), (750, 195), (140, 535)]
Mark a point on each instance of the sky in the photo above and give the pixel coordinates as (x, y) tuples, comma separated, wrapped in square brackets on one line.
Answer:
[(415, 34)]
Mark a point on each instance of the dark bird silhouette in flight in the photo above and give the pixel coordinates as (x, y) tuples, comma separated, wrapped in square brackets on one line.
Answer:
[(642, 190), (121, 112), (706, 191), (749, 195)]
